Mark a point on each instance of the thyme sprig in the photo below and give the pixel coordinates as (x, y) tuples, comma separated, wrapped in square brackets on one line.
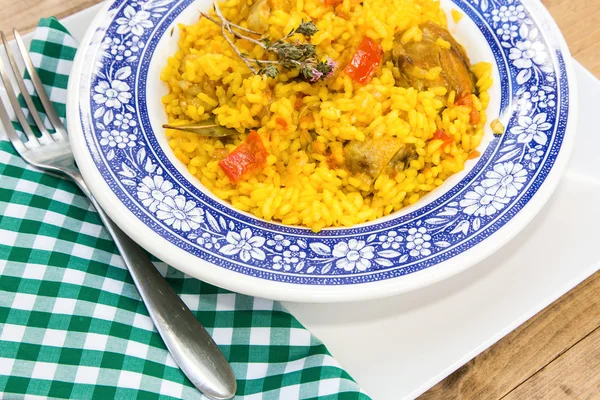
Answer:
[(291, 55)]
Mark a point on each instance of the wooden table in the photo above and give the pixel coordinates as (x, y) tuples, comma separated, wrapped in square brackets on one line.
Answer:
[(556, 354)]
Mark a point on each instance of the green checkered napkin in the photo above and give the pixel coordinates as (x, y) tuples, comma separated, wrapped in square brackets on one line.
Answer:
[(72, 324)]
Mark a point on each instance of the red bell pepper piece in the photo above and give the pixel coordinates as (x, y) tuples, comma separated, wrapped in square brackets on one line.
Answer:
[(281, 122), (247, 158), (473, 154), (467, 100), (475, 117), (365, 61), (440, 134), (464, 99)]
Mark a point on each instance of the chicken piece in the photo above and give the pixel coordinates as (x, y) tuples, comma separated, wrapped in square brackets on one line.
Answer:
[(401, 160), (260, 12), (373, 156), (414, 59)]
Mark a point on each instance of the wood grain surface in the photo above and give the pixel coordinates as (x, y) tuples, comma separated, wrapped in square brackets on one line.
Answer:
[(554, 355), (531, 350), (574, 374)]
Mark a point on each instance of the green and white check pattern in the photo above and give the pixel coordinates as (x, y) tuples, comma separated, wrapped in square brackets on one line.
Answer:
[(72, 324)]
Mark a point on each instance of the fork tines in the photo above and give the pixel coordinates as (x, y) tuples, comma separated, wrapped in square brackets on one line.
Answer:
[(32, 140)]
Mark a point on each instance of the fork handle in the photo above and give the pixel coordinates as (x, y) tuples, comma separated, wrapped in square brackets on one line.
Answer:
[(189, 343)]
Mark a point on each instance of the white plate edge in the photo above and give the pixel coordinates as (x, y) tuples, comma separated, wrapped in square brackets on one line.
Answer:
[(245, 284)]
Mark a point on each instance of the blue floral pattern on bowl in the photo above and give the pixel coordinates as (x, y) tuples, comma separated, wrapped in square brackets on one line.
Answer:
[(509, 172)]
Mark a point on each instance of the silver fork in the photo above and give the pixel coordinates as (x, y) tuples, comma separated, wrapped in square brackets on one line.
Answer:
[(188, 342)]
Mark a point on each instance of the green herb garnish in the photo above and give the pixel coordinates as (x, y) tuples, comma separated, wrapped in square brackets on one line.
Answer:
[(301, 56)]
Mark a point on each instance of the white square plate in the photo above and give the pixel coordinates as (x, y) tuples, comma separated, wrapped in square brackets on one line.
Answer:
[(399, 347)]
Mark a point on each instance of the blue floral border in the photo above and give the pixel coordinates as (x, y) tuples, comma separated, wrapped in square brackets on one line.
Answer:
[(508, 174)]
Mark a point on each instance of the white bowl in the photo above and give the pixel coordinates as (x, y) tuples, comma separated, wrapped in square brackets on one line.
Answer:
[(469, 217)]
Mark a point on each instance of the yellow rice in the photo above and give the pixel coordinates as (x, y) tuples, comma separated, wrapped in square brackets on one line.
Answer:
[(298, 186)]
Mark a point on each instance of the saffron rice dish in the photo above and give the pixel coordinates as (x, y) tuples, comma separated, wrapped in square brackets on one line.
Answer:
[(324, 113)]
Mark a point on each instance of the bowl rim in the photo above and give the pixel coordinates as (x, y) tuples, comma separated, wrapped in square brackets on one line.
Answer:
[(238, 282)]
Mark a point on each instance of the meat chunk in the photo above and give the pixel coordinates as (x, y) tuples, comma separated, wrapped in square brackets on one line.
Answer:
[(414, 59), (374, 156), (402, 158)]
